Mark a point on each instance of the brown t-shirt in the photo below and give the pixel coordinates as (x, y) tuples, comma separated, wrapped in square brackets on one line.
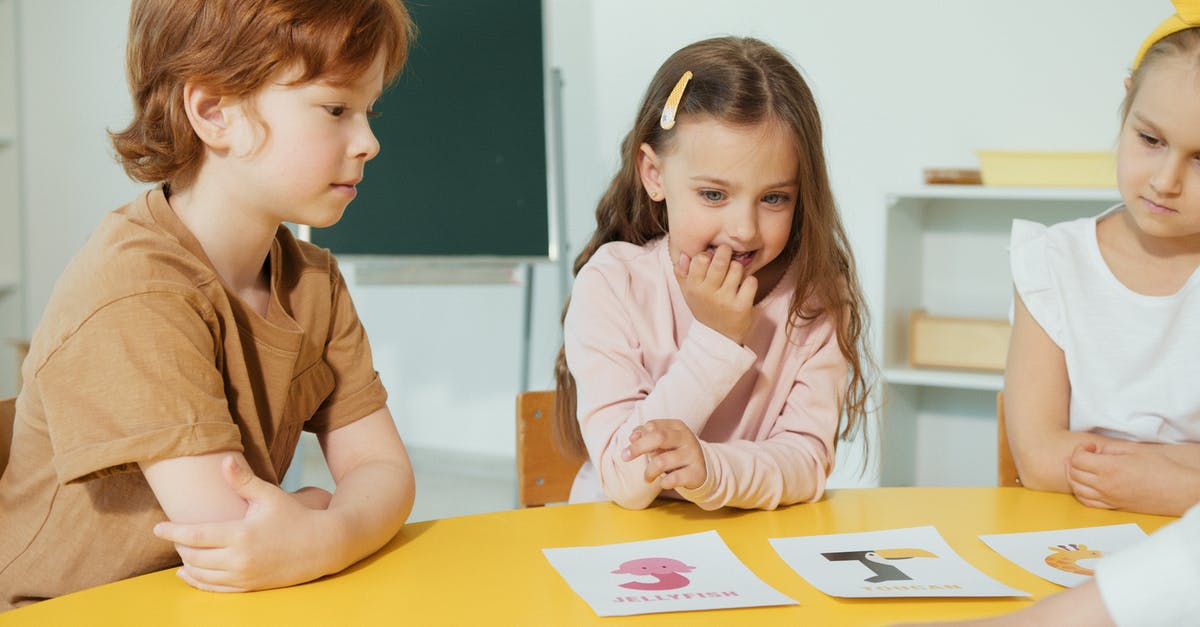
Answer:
[(144, 354)]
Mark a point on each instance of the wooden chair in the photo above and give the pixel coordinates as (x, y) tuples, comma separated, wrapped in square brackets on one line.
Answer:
[(8, 414), (1006, 468), (544, 473)]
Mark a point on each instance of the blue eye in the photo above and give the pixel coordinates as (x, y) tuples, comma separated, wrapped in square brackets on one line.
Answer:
[(776, 198), (712, 195)]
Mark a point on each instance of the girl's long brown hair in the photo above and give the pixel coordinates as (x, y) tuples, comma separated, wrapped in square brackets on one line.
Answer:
[(741, 82)]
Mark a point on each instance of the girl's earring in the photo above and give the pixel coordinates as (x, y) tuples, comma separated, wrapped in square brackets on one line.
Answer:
[(653, 195)]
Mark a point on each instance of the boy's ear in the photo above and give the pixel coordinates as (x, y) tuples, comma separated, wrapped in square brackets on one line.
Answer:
[(650, 170), (208, 114)]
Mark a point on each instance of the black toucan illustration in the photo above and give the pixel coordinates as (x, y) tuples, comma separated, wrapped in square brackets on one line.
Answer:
[(878, 560)]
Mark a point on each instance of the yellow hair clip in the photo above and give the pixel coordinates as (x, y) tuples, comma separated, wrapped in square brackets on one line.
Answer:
[(667, 121), (1187, 15)]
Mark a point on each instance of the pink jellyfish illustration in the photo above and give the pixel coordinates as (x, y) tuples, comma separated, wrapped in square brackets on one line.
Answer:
[(665, 569)]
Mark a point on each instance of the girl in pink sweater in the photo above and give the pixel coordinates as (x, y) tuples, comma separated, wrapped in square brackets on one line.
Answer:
[(714, 336)]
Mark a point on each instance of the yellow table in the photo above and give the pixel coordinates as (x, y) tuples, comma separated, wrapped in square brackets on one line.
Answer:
[(488, 569)]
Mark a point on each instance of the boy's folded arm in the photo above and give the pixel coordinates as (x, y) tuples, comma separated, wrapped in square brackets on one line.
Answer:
[(192, 489), (276, 540), (375, 483)]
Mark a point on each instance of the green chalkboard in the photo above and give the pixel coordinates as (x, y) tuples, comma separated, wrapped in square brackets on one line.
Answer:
[(462, 169)]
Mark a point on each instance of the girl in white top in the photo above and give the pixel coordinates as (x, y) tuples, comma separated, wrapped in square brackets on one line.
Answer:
[(1101, 393)]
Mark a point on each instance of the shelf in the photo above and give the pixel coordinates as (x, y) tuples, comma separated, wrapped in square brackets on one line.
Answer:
[(928, 377), (946, 251), (981, 192)]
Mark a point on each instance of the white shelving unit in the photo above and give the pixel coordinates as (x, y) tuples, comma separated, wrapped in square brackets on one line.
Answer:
[(11, 327), (947, 253)]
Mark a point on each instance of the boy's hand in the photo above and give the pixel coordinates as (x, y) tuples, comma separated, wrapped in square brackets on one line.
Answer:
[(273, 546), (672, 452), (718, 292), (1132, 476)]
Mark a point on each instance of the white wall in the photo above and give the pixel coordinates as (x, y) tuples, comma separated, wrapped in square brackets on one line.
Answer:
[(72, 90), (902, 85)]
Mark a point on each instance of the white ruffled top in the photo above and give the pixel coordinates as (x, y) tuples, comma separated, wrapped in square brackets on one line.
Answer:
[(1133, 360)]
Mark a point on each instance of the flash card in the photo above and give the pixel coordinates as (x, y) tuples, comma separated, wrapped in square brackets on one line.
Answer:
[(680, 573), (913, 562)]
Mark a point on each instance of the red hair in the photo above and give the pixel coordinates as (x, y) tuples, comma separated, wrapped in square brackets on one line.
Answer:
[(235, 47)]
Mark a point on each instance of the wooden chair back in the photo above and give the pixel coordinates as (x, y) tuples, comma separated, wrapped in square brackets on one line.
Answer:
[(544, 473), (1006, 468), (8, 414)]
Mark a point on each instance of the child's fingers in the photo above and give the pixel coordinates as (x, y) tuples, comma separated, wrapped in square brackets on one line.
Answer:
[(1079, 471), (664, 462), (1088, 488), (718, 268), (656, 436), (207, 580), (1081, 485), (1085, 461), (677, 467), (698, 269), (1092, 502), (645, 439), (208, 559), (688, 477), (747, 291), (733, 277), (196, 535), (682, 266), (1089, 494)]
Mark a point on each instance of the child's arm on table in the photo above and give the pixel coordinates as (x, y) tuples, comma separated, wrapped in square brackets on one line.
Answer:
[(617, 395), (673, 458), (1137, 476), (251, 535), (792, 463), (1037, 396)]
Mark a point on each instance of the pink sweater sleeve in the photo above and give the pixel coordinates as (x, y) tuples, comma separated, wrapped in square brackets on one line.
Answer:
[(615, 392), (791, 464)]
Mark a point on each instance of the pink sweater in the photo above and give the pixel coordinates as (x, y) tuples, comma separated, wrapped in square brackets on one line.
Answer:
[(766, 413)]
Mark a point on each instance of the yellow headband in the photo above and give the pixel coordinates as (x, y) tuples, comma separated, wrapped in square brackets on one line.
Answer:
[(1187, 15), (667, 121)]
